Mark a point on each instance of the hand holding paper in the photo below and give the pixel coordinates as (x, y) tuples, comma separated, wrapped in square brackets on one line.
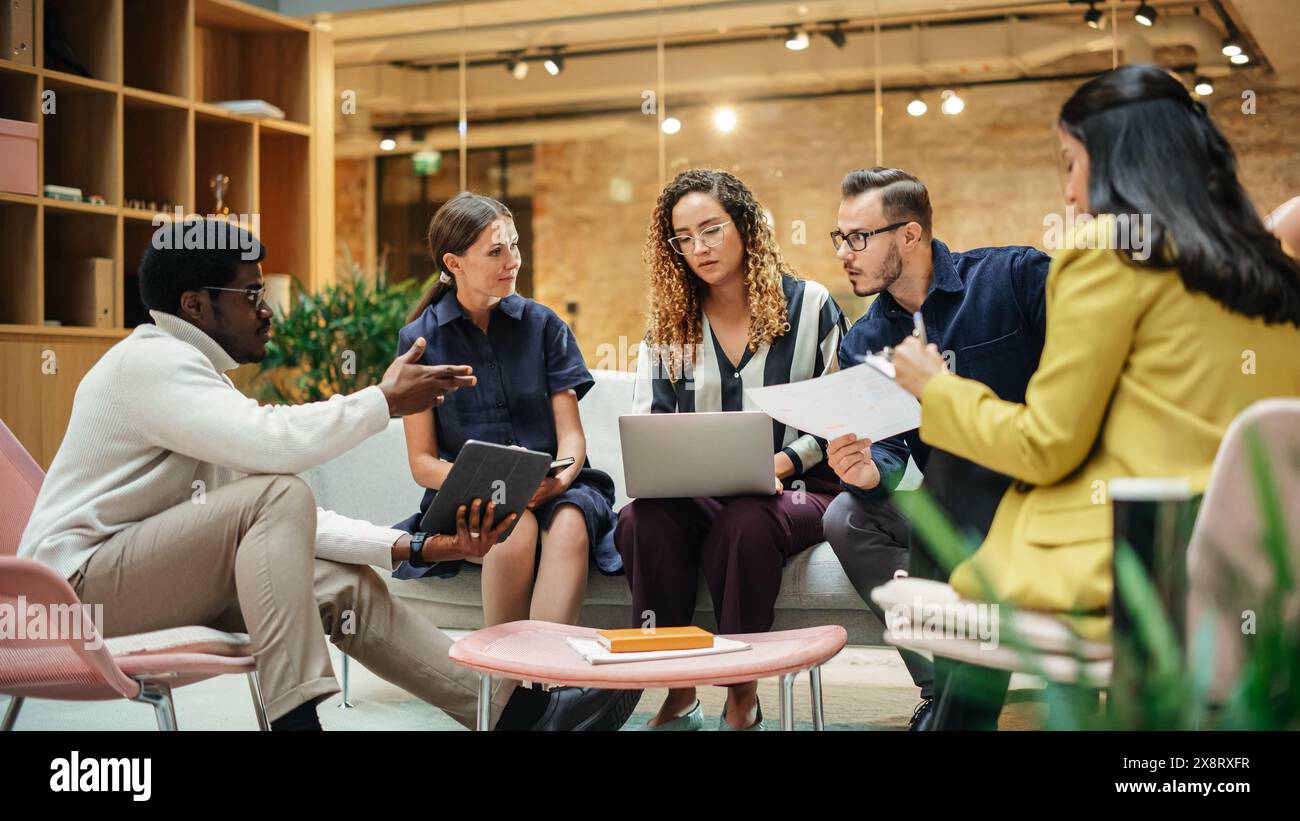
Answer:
[(860, 400)]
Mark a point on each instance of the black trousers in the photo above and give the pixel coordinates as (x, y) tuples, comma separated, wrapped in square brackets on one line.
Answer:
[(872, 540), (970, 697)]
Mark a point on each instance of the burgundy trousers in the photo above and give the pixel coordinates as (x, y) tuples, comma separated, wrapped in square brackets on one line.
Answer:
[(741, 544)]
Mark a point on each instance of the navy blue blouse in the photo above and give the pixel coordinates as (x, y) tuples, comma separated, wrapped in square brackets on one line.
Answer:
[(527, 355)]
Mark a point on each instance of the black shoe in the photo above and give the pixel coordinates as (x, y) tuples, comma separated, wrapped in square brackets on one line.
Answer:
[(586, 708), (923, 718)]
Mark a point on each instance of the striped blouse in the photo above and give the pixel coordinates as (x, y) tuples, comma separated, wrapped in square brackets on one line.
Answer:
[(810, 348)]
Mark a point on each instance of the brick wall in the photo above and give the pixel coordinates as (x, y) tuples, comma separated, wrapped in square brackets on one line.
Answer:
[(992, 171)]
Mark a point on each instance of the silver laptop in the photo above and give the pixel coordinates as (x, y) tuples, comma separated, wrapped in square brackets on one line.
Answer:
[(679, 455)]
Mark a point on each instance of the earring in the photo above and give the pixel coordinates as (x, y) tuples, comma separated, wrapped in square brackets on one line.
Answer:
[(444, 279)]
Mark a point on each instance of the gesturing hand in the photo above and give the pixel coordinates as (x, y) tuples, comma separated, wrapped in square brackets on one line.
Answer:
[(413, 388), (850, 458)]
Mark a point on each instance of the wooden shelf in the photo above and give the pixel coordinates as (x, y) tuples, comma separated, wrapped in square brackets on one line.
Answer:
[(285, 126), (20, 97), (144, 127), (237, 16), (21, 68), (24, 331), (157, 41), (156, 157), (74, 83), (214, 112), (144, 97), (92, 29), (20, 248), (18, 199), (145, 215), (73, 207)]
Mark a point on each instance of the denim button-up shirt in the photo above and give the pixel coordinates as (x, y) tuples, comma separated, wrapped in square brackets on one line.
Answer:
[(985, 310)]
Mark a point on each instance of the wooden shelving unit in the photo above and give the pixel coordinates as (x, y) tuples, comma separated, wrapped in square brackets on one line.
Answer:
[(144, 126)]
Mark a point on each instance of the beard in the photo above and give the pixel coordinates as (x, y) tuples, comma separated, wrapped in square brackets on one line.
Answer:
[(890, 270)]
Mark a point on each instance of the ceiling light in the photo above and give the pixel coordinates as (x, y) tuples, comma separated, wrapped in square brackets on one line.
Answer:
[(1203, 86), (671, 125), (1239, 59), (1231, 47), (1092, 17), (554, 64), (387, 144), (1145, 14), (952, 105), (518, 68), (724, 119), (836, 36), (797, 41), (917, 107)]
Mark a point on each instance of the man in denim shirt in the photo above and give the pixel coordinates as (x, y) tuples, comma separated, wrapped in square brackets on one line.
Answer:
[(985, 310)]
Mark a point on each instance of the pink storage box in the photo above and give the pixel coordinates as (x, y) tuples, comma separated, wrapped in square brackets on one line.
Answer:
[(18, 156)]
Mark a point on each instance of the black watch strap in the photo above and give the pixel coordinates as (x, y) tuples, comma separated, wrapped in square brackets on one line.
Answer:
[(417, 550)]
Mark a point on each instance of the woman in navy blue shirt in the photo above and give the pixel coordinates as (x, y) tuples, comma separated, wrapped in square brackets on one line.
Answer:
[(530, 378)]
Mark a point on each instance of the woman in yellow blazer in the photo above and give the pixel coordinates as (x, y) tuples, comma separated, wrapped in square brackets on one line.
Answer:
[(1145, 361)]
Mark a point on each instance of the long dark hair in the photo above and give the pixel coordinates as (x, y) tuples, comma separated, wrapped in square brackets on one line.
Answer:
[(454, 228), (1152, 149)]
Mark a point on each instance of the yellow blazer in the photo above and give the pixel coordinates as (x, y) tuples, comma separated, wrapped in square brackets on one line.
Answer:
[(1138, 377)]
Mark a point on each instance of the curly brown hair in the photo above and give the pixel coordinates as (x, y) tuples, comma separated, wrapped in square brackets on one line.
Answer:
[(673, 326)]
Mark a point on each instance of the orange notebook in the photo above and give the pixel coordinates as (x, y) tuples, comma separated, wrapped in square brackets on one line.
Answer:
[(638, 639)]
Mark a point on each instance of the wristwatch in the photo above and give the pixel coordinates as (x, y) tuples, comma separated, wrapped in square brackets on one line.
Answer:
[(417, 548)]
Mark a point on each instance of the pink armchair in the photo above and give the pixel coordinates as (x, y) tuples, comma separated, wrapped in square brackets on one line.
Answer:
[(78, 664)]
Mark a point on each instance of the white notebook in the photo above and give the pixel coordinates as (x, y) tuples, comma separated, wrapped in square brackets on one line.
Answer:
[(592, 651)]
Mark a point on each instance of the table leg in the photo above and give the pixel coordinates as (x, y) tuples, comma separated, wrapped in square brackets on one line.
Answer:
[(484, 702), (787, 701), (815, 681)]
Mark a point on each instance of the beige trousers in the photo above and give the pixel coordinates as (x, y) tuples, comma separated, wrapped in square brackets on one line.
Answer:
[(243, 559)]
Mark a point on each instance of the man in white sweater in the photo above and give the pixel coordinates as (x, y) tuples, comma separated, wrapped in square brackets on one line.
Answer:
[(173, 501)]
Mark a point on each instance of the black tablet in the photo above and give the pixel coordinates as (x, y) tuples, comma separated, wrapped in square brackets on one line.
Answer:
[(494, 473)]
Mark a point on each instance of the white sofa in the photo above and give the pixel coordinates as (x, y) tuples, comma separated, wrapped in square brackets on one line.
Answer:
[(372, 482)]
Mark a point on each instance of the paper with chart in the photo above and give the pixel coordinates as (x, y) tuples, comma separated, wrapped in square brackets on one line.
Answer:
[(859, 400)]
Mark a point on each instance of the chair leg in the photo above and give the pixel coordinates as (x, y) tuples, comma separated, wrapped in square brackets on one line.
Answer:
[(815, 685), (255, 687), (159, 695), (787, 701), (484, 703), (346, 702), (11, 713)]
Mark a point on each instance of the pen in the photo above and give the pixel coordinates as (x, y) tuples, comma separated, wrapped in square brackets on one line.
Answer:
[(918, 327)]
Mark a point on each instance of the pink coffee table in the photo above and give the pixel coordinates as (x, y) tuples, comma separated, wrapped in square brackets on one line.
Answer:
[(536, 651)]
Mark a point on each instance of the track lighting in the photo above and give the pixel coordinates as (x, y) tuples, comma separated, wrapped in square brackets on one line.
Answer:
[(1145, 14), (1092, 16), (952, 105)]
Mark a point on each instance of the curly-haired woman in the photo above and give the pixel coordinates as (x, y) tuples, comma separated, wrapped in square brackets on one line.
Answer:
[(726, 313)]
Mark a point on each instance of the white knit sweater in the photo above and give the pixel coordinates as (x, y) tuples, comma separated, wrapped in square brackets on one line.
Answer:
[(157, 414)]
